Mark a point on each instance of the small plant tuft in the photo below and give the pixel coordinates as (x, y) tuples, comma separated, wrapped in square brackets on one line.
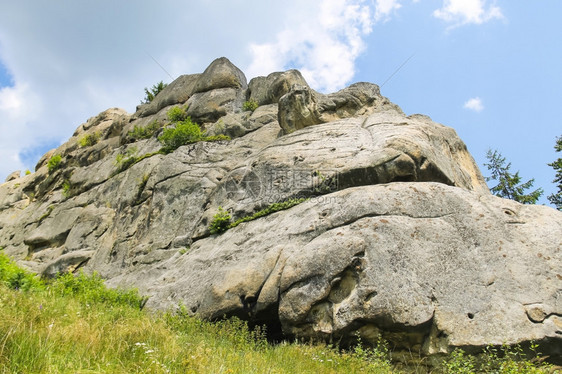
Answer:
[(250, 105), (216, 138), (27, 172), (89, 140), (177, 114), (146, 132), (183, 133), (220, 222), (54, 163), (66, 189)]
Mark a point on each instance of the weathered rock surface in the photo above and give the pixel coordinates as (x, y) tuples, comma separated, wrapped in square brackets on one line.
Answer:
[(268, 90), (14, 175), (400, 238)]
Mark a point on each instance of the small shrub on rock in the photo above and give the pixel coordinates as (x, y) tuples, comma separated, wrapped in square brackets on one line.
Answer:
[(177, 114), (183, 133), (146, 132), (54, 163), (89, 140), (250, 105), (220, 222)]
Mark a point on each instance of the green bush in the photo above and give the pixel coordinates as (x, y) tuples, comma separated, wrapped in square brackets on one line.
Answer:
[(138, 132), (89, 140), (54, 163), (220, 222), (183, 133), (15, 277), (27, 172), (250, 105), (151, 93), (177, 114)]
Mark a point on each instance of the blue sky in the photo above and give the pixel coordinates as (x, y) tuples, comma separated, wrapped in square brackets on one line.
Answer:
[(489, 69)]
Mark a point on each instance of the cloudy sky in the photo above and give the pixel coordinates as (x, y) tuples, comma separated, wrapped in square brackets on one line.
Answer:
[(489, 69)]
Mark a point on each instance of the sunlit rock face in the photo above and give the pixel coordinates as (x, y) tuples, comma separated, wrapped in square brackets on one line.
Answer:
[(399, 237)]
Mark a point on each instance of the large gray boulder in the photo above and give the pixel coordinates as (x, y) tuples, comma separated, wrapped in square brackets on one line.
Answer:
[(400, 237), (221, 73), (268, 90), (176, 92), (302, 107), (425, 265)]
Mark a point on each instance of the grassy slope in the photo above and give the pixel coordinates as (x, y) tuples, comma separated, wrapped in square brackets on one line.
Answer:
[(76, 325)]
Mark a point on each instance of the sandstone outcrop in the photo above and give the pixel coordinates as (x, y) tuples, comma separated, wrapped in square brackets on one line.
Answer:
[(399, 237)]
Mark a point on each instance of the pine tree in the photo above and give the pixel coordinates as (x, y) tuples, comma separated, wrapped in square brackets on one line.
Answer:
[(556, 198), (151, 93), (509, 185)]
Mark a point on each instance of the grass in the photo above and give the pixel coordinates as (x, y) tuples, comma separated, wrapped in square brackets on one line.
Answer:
[(74, 324)]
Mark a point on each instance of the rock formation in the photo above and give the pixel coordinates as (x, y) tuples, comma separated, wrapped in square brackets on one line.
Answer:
[(399, 237)]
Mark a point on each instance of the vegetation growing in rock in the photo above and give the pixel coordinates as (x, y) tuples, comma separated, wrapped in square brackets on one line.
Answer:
[(250, 105), (141, 186), (509, 185), (89, 140), (222, 220), (177, 114), (182, 133), (556, 198), (146, 132), (54, 163), (151, 93), (27, 172), (129, 158), (275, 207), (66, 189)]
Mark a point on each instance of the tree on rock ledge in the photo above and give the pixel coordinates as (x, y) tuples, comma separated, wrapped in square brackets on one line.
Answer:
[(556, 198), (509, 185)]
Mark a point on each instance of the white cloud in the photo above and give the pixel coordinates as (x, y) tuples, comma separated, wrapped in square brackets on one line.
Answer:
[(460, 12), (383, 8), (322, 40), (474, 104)]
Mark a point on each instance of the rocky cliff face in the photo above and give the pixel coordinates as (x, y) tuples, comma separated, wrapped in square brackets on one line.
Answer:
[(399, 236)]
